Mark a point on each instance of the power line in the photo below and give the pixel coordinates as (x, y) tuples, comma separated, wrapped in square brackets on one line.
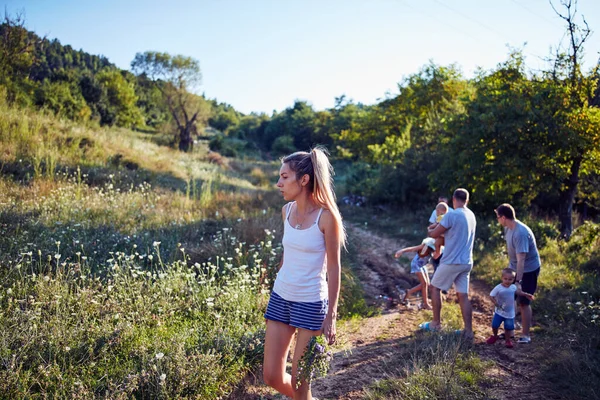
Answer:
[(499, 34), (465, 33), (534, 13)]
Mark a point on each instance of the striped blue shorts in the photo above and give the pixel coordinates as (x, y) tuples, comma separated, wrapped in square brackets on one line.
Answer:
[(297, 314)]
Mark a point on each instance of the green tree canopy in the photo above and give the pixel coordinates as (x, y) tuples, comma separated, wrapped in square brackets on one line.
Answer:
[(176, 77)]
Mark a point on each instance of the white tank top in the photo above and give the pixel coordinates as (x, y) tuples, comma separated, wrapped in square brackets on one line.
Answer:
[(302, 276)]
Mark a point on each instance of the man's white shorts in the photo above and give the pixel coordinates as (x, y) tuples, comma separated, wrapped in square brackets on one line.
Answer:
[(447, 274)]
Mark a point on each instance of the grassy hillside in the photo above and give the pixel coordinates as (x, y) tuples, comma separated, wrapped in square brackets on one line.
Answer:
[(128, 268)]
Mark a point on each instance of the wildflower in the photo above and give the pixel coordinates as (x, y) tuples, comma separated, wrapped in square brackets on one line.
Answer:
[(162, 378), (159, 355), (155, 244), (315, 361)]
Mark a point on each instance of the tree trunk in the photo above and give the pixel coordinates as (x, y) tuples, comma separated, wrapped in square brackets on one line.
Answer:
[(567, 198), (186, 143)]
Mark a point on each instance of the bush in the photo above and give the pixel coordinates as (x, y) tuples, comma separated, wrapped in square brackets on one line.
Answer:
[(544, 231), (584, 244)]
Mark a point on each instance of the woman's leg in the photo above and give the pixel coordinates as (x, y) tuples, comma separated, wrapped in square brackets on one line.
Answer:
[(277, 346), (304, 335)]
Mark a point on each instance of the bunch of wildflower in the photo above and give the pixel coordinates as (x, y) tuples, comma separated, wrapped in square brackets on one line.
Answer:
[(315, 361)]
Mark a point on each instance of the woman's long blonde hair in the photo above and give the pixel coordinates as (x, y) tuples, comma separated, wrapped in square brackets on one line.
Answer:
[(317, 166)]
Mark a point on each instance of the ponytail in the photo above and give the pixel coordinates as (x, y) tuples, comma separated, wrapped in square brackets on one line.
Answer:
[(323, 187), (317, 166)]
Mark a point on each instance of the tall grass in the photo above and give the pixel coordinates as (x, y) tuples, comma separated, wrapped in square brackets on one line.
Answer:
[(157, 331)]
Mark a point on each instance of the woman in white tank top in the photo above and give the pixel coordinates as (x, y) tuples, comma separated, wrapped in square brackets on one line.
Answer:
[(306, 290)]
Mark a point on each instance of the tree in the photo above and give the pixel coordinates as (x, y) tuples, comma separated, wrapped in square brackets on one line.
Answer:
[(176, 77), (121, 98), (582, 120), (526, 137), (402, 136), (16, 57)]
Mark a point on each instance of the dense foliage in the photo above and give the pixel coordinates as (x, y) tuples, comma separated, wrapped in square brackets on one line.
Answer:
[(508, 134)]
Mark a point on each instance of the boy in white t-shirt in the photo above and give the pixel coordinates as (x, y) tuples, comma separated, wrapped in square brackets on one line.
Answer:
[(504, 298)]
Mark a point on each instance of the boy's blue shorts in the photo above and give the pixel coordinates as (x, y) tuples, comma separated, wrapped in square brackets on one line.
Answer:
[(509, 323), (297, 314)]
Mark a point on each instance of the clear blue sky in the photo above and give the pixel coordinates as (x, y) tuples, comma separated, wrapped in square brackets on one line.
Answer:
[(260, 55)]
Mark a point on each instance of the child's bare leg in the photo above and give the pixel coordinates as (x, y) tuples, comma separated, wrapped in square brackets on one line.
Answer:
[(424, 288), (413, 290), (439, 242)]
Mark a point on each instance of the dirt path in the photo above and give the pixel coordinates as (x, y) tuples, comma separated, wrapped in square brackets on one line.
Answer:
[(369, 348)]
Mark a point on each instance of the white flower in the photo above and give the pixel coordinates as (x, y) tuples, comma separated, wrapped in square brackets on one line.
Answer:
[(46, 278), (159, 356), (163, 377), (155, 244)]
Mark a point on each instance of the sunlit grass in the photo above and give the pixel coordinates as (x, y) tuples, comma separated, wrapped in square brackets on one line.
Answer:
[(169, 331), (435, 365)]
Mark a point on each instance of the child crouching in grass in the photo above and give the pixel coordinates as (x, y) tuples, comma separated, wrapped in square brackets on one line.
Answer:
[(417, 266), (504, 298)]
